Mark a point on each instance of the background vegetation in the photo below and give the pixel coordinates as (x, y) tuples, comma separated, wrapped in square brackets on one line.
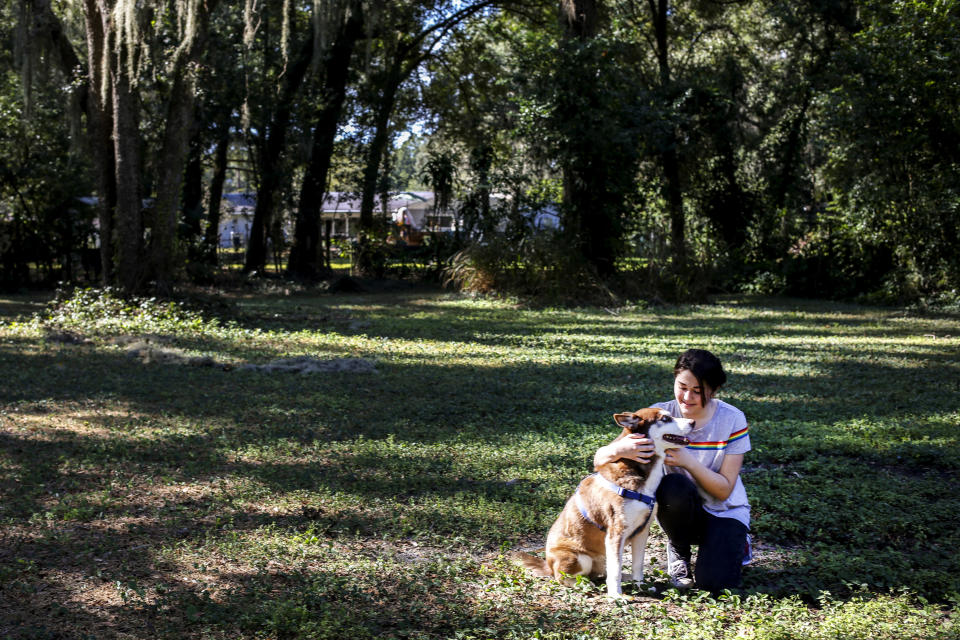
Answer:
[(159, 480), (171, 493), (769, 146)]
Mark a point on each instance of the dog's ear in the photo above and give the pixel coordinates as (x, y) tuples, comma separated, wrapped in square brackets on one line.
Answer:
[(626, 420), (630, 421)]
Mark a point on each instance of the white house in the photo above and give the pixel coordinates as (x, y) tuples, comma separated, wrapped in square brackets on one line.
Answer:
[(419, 213), (413, 210), (410, 208), (236, 217)]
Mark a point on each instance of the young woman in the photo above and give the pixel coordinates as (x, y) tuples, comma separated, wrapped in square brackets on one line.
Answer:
[(701, 501)]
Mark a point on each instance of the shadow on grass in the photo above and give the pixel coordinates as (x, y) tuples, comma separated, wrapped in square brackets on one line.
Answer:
[(415, 316), (503, 397), (853, 456), (23, 306), (312, 603)]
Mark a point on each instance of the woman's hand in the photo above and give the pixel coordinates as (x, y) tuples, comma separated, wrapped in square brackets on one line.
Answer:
[(678, 457), (635, 446), (719, 485)]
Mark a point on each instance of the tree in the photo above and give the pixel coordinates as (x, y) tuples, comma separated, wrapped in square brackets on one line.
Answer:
[(274, 110), (468, 111), (414, 33), (893, 131), (191, 21), (349, 25), (699, 140), (45, 33), (591, 109), (116, 75), (42, 173)]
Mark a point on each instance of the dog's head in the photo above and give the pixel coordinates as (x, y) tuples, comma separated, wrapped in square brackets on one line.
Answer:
[(658, 425)]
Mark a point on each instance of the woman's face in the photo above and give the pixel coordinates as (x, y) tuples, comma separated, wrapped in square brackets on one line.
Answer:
[(690, 395)]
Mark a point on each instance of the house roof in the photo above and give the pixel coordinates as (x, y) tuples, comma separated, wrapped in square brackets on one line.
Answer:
[(339, 201), (334, 200), (349, 202)]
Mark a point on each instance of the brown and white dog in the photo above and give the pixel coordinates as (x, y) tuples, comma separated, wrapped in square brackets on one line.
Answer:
[(610, 508)]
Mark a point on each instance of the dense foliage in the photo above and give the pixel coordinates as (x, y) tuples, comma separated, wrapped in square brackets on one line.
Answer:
[(892, 126), (684, 146)]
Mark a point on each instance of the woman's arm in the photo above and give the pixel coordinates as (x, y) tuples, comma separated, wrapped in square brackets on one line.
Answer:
[(718, 484), (635, 446)]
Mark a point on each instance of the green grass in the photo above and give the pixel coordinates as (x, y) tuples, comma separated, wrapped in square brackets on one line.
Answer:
[(150, 500), (231, 259)]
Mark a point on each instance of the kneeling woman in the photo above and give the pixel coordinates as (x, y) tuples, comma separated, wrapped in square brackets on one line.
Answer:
[(701, 500)]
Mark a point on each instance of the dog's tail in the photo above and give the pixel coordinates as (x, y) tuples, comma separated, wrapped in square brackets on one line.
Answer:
[(533, 564)]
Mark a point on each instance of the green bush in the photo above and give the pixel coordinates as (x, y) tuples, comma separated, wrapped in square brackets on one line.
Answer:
[(540, 267), (107, 312)]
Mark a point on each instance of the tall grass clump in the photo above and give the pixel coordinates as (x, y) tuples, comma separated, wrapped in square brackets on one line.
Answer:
[(540, 268)]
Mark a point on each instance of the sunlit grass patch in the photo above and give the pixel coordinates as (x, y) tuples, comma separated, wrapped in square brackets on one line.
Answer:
[(221, 503)]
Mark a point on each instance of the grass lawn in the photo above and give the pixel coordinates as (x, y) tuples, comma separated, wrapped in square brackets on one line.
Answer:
[(143, 497)]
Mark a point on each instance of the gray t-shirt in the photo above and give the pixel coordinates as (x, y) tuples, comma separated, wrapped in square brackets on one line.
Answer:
[(726, 432)]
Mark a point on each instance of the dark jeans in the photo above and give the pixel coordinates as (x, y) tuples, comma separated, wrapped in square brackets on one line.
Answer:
[(722, 541)]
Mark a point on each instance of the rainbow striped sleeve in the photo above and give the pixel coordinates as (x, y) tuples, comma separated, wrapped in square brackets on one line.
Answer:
[(722, 444)]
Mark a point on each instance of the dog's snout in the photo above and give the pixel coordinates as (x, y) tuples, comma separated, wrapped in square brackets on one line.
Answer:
[(693, 424)]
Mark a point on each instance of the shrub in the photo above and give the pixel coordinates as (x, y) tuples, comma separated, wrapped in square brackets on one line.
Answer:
[(541, 268), (106, 312)]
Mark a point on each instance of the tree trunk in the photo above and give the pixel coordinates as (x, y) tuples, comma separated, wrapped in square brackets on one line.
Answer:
[(673, 192), (211, 238), (371, 171), (305, 258), (590, 214), (107, 205), (792, 150), (165, 252), (99, 108), (674, 197), (269, 154), (126, 151), (96, 106), (256, 256), (165, 248), (193, 189)]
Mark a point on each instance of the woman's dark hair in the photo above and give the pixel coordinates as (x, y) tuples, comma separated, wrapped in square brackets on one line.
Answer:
[(705, 367)]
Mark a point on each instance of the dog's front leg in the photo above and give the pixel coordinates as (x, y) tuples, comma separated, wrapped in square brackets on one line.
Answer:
[(638, 547), (614, 544)]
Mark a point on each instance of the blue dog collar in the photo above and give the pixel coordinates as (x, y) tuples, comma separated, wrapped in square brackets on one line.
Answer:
[(626, 493)]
